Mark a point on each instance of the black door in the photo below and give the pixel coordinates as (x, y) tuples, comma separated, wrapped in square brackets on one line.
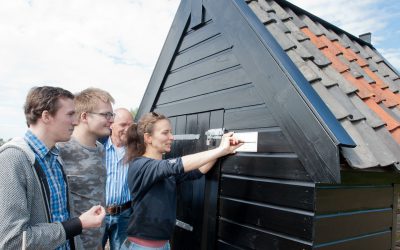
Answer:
[(197, 200)]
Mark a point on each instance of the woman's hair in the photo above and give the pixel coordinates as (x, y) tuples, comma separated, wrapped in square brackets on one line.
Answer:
[(135, 145)]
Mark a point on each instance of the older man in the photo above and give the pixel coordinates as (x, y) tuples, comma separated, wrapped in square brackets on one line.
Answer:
[(118, 199), (33, 188)]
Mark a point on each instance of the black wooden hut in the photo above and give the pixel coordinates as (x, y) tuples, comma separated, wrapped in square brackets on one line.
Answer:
[(321, 107)]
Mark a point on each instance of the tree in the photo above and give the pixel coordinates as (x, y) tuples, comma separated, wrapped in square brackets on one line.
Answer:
[(134, 111)]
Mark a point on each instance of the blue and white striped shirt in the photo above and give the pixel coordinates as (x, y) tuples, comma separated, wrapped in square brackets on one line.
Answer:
[(117, 190), (47, 159)]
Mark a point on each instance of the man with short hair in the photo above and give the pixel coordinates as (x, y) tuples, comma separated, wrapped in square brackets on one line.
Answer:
[(33, 190), (118, 199), (83, 157)]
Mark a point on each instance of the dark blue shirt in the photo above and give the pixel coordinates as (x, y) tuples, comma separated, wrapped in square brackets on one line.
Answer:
[(152, 184)]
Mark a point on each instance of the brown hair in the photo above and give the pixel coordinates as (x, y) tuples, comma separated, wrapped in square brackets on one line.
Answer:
[(40, 99), (87, 100), (135, 145)]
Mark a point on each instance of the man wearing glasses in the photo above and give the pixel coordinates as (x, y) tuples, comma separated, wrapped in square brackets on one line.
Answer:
[(118, 199), (83, 156)]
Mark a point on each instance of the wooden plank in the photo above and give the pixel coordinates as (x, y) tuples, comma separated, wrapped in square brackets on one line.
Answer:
[(273, 141), (378, 241), (249, 117), (243, 95), (255, 189), (202, 50), (201, 68), (289, 222), (253, 238), (396, 192), (285, 166), (210, 212), (225, 79), (206, 32), (376, 176), (340, 226), (341, 198), (222, 245)]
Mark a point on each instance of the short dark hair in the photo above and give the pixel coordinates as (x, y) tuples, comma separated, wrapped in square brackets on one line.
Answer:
[(43, 98)]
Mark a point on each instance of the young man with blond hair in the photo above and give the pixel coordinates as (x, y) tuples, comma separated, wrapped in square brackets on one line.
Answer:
[(83, 156)]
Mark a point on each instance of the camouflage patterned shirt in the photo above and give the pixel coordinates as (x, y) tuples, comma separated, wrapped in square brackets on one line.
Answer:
[(86, 175)]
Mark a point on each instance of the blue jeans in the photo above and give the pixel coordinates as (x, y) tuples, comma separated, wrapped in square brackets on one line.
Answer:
[(116, 226), (128, 245)]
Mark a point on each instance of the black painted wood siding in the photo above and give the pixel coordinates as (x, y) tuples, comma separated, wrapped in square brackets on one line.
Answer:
[(354, 217)]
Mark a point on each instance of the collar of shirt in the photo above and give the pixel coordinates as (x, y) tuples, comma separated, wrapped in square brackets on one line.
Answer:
[(39, 147), (119, 152)]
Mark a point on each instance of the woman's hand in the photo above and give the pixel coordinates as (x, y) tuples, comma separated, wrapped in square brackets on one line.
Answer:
[(229, 143)]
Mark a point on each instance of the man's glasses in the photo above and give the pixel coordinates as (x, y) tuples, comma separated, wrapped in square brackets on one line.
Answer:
[(107, 115)]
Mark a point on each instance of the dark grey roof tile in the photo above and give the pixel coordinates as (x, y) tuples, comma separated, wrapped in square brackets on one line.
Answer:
[(360, 156), (346, 40), (379, 149), (311, 25), (372, 119), (344, 100), (363, 53), (383, 67), (319, 58), (279, 23), (299, 23), (299, 35), (388, 140), (375, 57), (325, 80), (281, 37), (343, 83), (305, 54), (330, 35), (280, 12), (263, 16), (335, 107), (307, 72), (264, 5)]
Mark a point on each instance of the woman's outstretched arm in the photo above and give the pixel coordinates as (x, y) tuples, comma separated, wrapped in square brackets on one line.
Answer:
[(206, 159)]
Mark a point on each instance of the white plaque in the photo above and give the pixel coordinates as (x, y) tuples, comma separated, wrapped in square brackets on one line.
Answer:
[(250, 140)]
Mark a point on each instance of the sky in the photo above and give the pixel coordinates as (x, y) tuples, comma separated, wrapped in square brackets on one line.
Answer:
[(114, 45)]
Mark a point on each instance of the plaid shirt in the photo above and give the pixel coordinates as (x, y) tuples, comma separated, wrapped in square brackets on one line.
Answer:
[(54, 175)]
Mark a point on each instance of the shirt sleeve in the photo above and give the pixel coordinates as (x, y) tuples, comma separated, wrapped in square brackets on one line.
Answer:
[(191, 175)]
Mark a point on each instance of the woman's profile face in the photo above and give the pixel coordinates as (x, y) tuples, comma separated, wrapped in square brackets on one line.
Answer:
[(161, 139)]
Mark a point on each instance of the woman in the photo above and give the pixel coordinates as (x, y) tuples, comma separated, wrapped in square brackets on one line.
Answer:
[(152, 180)]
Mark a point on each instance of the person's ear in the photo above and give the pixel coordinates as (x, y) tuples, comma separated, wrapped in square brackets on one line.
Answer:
[(83, 117), (46, 116), (147, 138)]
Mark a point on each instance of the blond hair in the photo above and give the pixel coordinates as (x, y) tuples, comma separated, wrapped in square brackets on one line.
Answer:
[(88, 99)]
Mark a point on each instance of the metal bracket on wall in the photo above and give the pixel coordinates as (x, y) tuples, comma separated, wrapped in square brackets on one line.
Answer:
[(213, 135), (183, 225)]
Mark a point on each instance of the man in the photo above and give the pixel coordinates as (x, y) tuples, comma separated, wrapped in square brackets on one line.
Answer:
[(118, 199), (33, 189), (83, 157)]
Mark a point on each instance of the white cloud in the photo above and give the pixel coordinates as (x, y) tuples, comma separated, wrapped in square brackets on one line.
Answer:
[(356, 16), (392, 55), (75, 44)]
